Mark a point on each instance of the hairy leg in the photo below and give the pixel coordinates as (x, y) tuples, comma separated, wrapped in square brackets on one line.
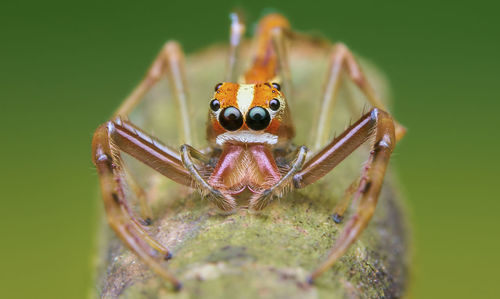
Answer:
[(236, 35), (169, 62), (377, 124), (341, 206), (280, 37), (145, 209), (342, 59), (109, 140)]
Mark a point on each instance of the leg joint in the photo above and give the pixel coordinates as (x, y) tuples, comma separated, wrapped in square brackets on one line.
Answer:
[(383, 143), (374, 114), (103, 158), (172, 51)]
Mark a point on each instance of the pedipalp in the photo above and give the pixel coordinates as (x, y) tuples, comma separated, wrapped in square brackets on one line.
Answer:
[(260, 201), (224, 201)]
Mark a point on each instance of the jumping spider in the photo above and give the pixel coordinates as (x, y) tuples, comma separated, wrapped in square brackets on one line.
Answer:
[(252, 158)]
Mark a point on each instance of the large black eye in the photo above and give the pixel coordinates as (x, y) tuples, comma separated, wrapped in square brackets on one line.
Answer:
[(274, 104), (258, 118), (231, 119), (214, 104)]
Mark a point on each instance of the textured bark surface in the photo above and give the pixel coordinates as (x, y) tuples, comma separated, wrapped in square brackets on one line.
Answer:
[(269, 254)]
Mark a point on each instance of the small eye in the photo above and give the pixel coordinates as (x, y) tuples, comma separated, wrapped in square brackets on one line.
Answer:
[(218, 86), (214, 104), (274, 104), (277, 86)]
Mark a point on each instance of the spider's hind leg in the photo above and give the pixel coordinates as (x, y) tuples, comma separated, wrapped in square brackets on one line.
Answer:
[(342, 59), (235, 37), (169, 62), (280, 36)]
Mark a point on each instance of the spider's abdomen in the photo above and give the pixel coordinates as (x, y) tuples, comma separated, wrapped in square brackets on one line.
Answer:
[(245, 169)]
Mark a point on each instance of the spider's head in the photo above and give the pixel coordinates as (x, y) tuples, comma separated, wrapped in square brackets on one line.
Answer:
[(249, 113)]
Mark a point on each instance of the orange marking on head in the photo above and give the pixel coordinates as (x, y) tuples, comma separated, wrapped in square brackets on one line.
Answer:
[(261, 73), (226, 94), (263, 93), (217, 128), (273, 127)]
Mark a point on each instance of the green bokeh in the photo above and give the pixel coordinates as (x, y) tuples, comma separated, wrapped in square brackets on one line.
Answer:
[(65, 66)]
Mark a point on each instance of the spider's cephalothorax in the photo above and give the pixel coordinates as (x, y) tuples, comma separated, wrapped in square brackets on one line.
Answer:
[(248, 122), (250, 159), (249, 113)]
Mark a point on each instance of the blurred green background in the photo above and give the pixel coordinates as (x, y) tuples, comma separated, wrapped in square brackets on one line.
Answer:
[(65, 66)]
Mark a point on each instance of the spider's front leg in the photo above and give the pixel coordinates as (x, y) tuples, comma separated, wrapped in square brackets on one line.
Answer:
[(376, 123), (109, 140)]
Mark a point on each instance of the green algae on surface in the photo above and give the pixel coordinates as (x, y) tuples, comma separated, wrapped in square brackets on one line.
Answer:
[(267, 254)]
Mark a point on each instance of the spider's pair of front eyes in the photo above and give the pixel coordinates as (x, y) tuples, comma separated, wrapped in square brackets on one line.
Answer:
[(257, 118)]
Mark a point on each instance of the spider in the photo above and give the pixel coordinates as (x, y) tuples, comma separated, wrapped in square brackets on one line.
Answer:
[(251, 158)]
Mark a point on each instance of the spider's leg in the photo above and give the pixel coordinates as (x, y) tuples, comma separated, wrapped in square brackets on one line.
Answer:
[(109, 140), (223, 201), (120, 223), (341, 206), (146, 213), (170, 62), (342, 59), (235, 37), (260, 201), (377, 124), (280, 37)]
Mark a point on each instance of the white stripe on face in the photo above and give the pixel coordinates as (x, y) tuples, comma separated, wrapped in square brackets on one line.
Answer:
[(244, 97), (246, 137)]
